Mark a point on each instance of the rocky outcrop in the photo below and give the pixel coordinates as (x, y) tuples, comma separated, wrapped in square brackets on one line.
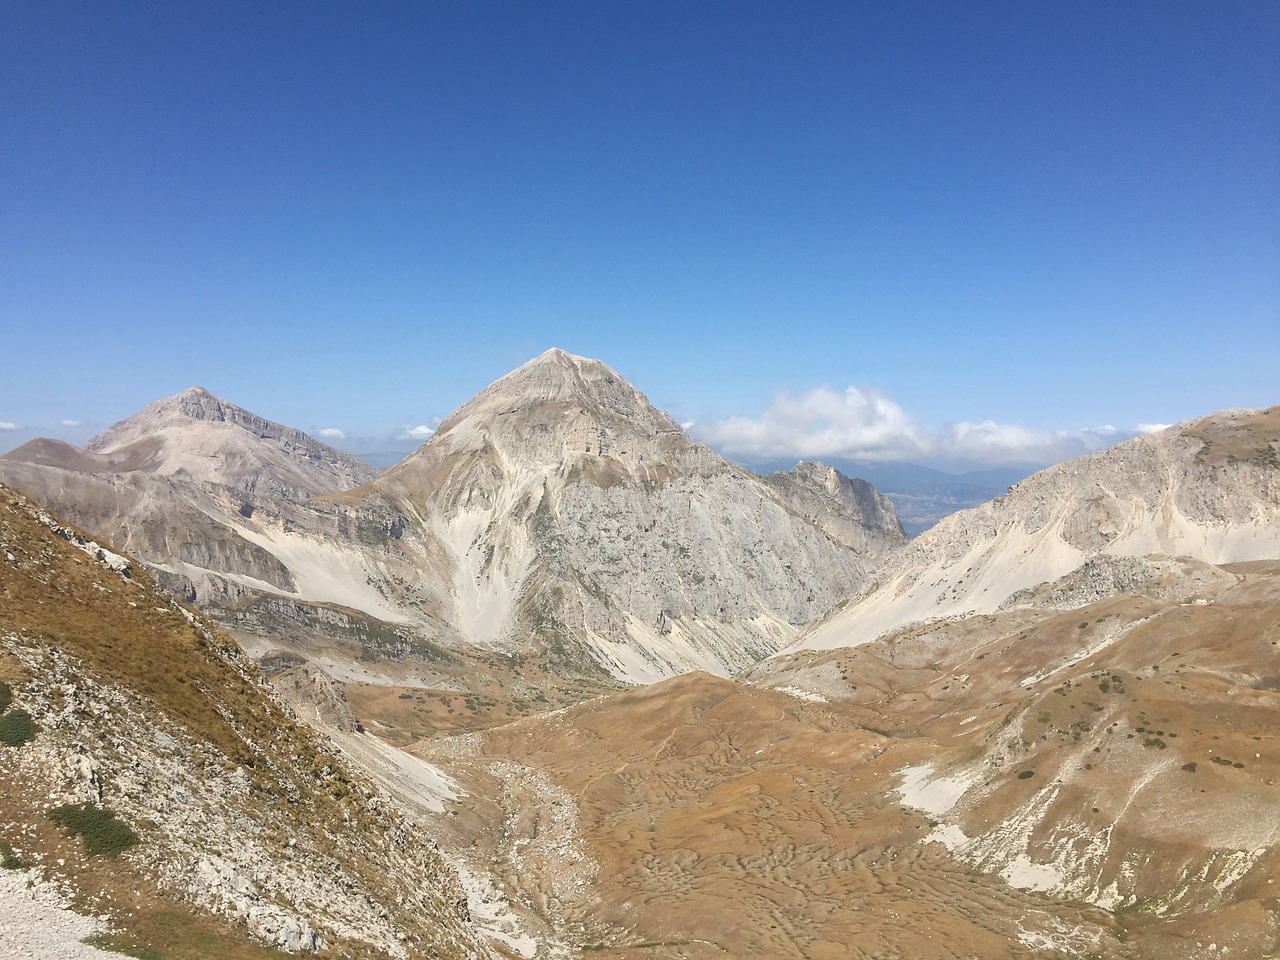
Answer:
[(849, 510)]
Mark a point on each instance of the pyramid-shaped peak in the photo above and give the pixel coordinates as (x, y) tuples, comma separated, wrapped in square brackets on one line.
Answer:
[(552, 413), (557, 361), (558, 376), (199, 404)]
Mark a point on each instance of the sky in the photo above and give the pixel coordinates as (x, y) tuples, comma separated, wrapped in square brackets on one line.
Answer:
[(966, 234)]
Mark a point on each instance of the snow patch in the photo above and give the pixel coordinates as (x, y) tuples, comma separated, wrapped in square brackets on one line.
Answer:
[(1027, 875)]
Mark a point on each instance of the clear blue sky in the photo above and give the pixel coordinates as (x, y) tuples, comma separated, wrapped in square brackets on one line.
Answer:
[(356, 215)]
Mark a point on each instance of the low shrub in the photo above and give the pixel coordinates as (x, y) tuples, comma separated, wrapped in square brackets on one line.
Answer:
[(17, 727), (1026, 774), (8, 859), (104, 834), (6, 696)]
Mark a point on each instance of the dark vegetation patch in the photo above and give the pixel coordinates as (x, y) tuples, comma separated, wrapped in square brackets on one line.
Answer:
[(104, 833), (17, 728)]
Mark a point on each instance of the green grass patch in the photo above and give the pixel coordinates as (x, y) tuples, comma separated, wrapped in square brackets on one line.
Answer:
[(104, 834), (17, 727), (8, 859)]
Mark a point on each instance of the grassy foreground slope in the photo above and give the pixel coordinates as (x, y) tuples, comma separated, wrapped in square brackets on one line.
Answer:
[(248, 835)]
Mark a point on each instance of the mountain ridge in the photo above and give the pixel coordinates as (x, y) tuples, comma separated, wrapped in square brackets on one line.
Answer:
[(560, 503), (557, 512), (1208, 488)]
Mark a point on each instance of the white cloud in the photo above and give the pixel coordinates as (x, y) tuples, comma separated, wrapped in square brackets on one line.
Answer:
[(1153, 427), (72, 423), (860, 422), (332, 433), (6, 425), (865, 423), (419, 432)]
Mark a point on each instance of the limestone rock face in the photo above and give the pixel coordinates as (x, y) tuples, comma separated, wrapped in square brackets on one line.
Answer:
[(1208, 489), (849, 510), (560, 505)]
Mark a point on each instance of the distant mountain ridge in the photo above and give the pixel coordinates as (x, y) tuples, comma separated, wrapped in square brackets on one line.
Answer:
[(1208, 489), (199, 437), (558, 513)]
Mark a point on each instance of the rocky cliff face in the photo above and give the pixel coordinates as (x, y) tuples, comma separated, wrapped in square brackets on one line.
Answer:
[(849, 510), (1209, 489), (213, 802), (559, 504)]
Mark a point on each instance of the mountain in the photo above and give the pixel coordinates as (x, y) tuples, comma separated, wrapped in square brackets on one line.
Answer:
[(178, 484), (557, 517), (1208, 489), (150, 778), (560, 505), (200, 437), (1083, 766)]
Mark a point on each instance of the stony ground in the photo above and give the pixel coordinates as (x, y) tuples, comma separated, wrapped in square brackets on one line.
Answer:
[(37, 924)]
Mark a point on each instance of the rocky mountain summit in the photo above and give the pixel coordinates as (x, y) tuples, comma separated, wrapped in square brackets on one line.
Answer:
[(1208, 489), (560, 505), (178, 485), (199, 437)]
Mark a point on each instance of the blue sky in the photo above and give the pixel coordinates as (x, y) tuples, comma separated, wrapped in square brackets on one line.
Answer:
[(962, 232)]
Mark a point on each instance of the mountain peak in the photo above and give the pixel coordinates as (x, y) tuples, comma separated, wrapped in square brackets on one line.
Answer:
[(552, 374), (199, 435), (554, 389)]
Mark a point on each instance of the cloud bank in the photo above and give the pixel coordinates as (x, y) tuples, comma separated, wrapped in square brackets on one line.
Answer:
[(332, 433), (6, 425), (865, 423)]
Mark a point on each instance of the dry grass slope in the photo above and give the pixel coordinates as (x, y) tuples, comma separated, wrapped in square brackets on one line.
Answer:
[(108, 663)]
